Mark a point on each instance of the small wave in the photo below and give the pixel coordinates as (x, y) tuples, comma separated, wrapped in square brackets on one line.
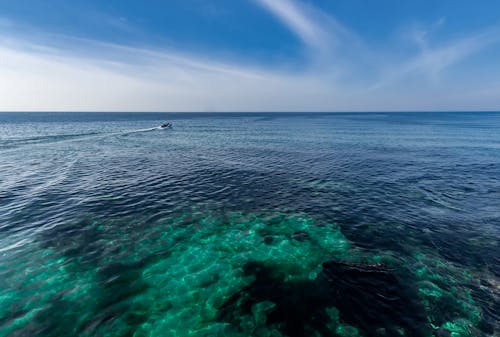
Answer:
[(17, 142)]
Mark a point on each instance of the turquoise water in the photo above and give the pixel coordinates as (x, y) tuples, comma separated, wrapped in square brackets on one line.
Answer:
[(250, 225)]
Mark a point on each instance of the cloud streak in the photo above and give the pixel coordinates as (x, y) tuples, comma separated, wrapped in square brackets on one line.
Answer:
[(292, 14), (33, 78), (432, 62)]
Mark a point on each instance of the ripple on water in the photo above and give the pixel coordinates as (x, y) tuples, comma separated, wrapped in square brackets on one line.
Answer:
[(296, 226), (206, 272)]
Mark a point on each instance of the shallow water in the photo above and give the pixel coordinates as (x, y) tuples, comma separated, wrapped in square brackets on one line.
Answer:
[(250, 225)]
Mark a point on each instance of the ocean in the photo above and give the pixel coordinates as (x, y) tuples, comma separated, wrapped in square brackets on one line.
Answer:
[(348, 224)]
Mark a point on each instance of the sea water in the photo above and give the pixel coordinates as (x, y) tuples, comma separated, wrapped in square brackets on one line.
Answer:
[(360, 224)]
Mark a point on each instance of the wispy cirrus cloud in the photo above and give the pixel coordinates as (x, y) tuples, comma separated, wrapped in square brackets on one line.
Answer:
[(292, 15), (319, 31), (121, 78), (421, 35), (430, 62), (435, 60)]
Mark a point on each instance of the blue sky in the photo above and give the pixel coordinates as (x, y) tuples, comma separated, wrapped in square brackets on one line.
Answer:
[(249, 55)]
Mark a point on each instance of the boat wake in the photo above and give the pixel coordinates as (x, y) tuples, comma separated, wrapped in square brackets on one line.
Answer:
[(9, 144)]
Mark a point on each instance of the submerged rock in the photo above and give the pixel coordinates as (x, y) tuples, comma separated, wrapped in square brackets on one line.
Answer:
[(369, 298), (299, 305), (301, 236)]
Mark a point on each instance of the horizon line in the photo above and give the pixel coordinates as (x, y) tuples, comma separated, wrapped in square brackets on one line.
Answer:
[(255, 112)]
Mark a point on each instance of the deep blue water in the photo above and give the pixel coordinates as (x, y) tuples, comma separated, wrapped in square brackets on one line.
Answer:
[(369, 224)]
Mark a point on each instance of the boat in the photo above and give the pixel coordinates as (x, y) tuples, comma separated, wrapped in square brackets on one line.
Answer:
[(166, 126)]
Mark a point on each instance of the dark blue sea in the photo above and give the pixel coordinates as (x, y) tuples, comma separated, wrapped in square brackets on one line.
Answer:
[(348, 224)]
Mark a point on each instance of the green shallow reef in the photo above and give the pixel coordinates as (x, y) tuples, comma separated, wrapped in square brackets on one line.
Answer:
[(214, 273)]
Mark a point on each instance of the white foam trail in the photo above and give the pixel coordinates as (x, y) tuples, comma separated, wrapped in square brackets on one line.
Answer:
[(143, 130), (86, 137)]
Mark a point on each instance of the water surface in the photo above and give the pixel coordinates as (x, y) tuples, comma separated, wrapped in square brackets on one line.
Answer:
[(250, 224)]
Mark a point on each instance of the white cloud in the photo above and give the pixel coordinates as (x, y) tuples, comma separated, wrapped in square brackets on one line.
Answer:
[(323, 35), (421, 35), (431, 62), (33, 78), (294, 18)]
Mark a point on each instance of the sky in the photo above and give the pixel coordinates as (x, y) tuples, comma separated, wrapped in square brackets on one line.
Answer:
[(249, 55)]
